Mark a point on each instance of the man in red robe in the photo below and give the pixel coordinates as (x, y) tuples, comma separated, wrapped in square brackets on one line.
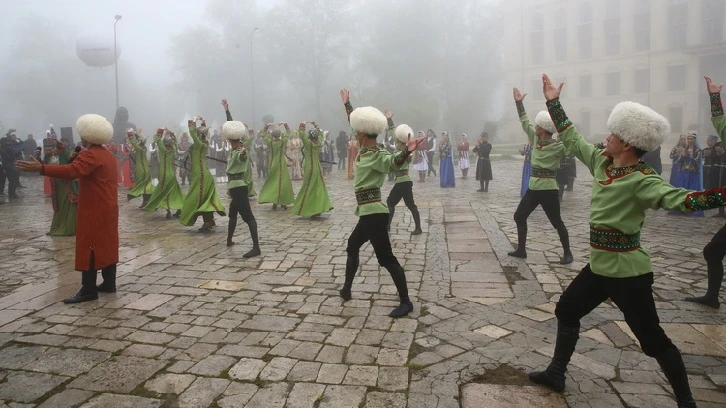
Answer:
[(97, 222)]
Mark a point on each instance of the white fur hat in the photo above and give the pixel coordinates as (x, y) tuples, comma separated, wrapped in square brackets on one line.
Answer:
[(638, 125), (94, 129), (403, 132), (234, 130), (544, 121), (368, 120)]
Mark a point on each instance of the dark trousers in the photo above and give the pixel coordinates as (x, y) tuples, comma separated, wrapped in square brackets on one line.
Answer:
[(13, 176), (240, 205), (373, 228), (403, 191), (714, 253), (549, 200), (633, 296), (341, 162), (3, 177), (430, 157)]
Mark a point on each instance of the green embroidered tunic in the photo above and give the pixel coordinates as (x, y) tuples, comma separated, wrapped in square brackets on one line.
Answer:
[(620, 197), (143, 174), (278, 187), (202, 195), (237, 169), (402, 172), (546, 155), (167, 194), (248, 170)]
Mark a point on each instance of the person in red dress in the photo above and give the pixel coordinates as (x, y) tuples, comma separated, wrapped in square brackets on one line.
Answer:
[(97, 222)]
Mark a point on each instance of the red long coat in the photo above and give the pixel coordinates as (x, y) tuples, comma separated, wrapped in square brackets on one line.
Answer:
[(97, 220)]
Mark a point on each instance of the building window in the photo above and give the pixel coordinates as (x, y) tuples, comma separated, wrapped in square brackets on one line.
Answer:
[(642, 81), (611, 27), (677, 78), (537, 39), (560, 35), (641, 25), (612, 83), (713, 15), (584, 126), (585, 85), (584, 31), (677, 24), (675, 116)]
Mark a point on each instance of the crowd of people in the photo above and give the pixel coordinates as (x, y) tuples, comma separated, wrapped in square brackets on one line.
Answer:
[(625, 187)]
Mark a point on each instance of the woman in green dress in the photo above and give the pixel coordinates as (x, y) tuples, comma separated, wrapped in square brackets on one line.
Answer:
[(202, 196), (278, 187), (64, 194), (312, 199), (143, 186), (167, 194)]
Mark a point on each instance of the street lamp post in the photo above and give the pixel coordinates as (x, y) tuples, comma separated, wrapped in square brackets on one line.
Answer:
[(115, 55), (252, 74)]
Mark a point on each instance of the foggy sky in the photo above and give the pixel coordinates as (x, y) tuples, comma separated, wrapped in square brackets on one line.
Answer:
[(143, 33)]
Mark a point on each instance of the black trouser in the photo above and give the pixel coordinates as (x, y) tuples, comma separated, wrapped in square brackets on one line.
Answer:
[(430, 157), (3, 176), (633, 296), (403, 191), (373, 228), (341, 162), (551, 205), (13, 176), (714, 253), (240, 205)]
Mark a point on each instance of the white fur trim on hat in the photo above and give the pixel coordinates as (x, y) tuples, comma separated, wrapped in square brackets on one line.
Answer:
[(94, 129), (544, 121), (403, 132), (368, 120), (638, 125), (234, 130)]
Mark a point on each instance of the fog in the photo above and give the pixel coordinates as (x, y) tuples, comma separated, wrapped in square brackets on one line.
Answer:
[(437, 64)]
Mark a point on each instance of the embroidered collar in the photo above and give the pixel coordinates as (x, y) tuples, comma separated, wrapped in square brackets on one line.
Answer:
[(613, 172)]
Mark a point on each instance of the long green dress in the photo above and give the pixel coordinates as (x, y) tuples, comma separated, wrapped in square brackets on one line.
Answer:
[(202, 195), (312, 199), (64, 194), (278, 187), (168, 194), (143, 184)]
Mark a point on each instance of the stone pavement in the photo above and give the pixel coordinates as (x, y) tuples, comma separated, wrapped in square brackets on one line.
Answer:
[(195, 325)]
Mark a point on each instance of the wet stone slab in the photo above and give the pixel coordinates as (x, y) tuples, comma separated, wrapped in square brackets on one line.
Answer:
[(509, 396), (121, 374)]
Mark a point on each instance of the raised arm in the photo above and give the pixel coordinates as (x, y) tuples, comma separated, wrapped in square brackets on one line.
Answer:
[(571, 138), (523, 118), (225, 105), (717, 116), (193, 132), (390, 130)]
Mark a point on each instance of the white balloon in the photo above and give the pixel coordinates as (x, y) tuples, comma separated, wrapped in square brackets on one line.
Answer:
[(96, 50)]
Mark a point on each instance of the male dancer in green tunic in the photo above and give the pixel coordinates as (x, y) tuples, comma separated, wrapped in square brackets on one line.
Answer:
[(278, 187), (715, 250), (372, 166), (143, 186), (167, 194), (201, 198), (403, 187), (543, 189), (620, 269), (235, 132), (249, 179)]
